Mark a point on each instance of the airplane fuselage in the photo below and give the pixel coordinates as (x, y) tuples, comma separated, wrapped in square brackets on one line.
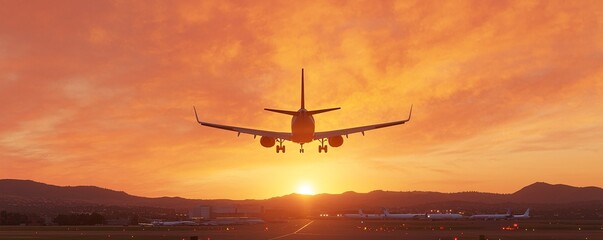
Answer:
[(491, 216), (302, 127), (404, 216)]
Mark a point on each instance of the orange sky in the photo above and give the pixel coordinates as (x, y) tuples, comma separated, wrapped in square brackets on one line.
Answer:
[(100, 93)]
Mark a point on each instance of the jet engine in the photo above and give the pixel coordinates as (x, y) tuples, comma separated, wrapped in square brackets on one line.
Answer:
[(336, 141), (267, 141)]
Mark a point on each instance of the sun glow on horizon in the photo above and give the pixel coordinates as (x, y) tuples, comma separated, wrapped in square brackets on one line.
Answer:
[(305, 189)]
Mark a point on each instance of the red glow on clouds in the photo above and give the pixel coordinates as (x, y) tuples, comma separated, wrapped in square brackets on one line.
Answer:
[(101, 93)]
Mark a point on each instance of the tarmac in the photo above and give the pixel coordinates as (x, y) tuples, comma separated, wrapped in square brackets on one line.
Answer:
[(328, 229)]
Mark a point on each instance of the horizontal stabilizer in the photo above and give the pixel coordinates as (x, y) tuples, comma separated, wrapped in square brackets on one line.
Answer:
[(322, 110), (292, 113)]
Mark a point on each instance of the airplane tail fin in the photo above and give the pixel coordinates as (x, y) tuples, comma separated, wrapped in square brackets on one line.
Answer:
[(303, 102), (385, 211), (527, 213), (360, 212)]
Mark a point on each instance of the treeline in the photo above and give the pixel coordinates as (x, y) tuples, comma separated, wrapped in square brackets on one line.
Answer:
[(10, 218), (79, 219)]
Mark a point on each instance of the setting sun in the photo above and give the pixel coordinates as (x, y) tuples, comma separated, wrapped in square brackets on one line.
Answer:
[(305, 189)]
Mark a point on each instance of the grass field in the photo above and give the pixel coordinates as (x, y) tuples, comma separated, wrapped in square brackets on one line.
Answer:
[(325, 229)]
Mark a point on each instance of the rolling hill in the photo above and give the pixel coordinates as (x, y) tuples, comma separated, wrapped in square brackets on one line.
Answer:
[(26, 191)]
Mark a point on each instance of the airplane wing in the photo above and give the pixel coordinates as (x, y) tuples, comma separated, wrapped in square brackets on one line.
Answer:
[(254, 132), (341, 132)]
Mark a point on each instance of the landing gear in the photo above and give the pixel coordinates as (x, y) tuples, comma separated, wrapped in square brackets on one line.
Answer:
[(301, 150), (280, 145), (322, 146)]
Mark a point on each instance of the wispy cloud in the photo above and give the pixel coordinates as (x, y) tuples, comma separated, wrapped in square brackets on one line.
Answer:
[(105, 89)]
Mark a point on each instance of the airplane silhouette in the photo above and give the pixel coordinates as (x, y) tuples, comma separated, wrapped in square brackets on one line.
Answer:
[(302, 128)]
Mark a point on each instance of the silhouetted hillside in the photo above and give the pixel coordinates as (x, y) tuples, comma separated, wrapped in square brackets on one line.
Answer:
[(22, 192), (27, 190), (352, 200), (546, 193), (31, 189)]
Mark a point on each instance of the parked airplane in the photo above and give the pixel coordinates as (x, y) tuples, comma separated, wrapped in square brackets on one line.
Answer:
[(493, 216), (302, 128), (233, 221), (388, 215), (444, 216), (523, 216), (174, 223), (361, 215)]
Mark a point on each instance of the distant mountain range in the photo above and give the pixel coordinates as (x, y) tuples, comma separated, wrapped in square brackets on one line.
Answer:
[(15, 192)]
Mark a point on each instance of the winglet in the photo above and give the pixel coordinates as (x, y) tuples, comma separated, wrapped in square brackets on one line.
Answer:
[(410, 113), (196, 116)]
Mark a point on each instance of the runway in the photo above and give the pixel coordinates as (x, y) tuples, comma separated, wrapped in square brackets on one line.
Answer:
[(293, 233), (446, 230), (327, 229)]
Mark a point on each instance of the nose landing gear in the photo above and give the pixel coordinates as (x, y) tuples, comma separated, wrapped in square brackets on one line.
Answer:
[(301, 150)]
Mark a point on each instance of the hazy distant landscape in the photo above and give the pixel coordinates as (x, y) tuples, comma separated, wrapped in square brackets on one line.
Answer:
[(546, 200)]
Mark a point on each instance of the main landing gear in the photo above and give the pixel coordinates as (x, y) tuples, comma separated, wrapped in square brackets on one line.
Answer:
[(280, 145), (322, 146)]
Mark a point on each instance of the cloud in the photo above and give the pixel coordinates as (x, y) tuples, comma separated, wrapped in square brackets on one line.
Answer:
[(106, 89)]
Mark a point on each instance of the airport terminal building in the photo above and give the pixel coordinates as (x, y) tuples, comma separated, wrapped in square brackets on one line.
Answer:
[(205, 212)]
